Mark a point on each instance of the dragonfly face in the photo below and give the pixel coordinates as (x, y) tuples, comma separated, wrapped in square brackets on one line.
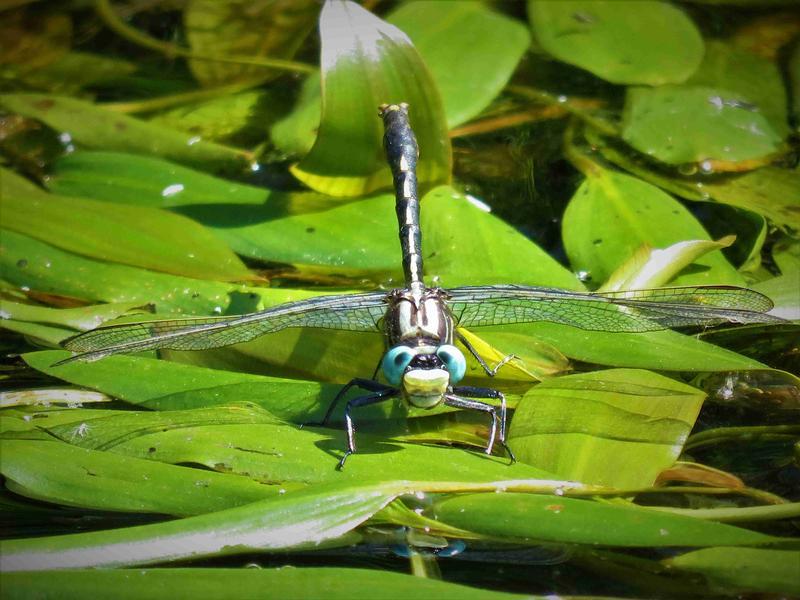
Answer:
[(424, 373)]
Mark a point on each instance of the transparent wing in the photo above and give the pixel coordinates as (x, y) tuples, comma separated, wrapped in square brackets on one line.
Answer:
[(627, 311), (354, 312)]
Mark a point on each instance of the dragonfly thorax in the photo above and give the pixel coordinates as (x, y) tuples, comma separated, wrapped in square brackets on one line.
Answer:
[(416, 315)]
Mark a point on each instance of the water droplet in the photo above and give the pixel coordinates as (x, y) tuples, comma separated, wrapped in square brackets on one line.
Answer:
[(687, 169), (559, 491), (706, 167), (22, 263), (584, 276), (217, 310), (193, 140), (171, 190)]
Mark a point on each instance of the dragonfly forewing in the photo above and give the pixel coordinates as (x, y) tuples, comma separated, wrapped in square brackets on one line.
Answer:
[(353, 312), (633, 311)]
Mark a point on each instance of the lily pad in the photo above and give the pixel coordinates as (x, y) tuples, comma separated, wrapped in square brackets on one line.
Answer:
[(647, 42), (613, 214), (367, 62), (618, 428), (691, 124)]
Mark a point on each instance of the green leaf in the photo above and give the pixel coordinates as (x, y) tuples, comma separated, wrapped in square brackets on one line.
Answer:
[(784, 291), (470, 50), (690, 124), (34, 265), (245, 441), (745, 569), (649, 268), (41, 335), (230, 118), (217, 583), (146, 181), (612, 215), (54, 471), (650, 43), (299, 228), (81, 318), (768, 191), (165, 385), (94, 127), (77, 70), (244, 28), (495, 251), (365, 63), (755, 79), (657, 350), (619, 428), (300, 519), (538, 518), (132, 235)]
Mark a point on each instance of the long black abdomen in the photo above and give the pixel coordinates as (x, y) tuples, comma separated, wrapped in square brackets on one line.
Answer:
[(402, 152)]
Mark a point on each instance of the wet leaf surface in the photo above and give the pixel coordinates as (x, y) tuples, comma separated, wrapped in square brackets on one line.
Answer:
[(691, 124)]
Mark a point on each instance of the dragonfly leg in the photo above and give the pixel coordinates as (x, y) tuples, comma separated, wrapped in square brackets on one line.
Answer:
[(378, 396), (367, 384), (490, 371), (481, 392)]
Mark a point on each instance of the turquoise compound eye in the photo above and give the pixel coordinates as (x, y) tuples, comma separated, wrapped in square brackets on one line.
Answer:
[(395, 362), (453, 361)]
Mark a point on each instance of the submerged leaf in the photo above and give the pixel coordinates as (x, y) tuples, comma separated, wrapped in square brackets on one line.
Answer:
[(757, 80), (691, 124), (745, 569), (269, 28), (645, 42)]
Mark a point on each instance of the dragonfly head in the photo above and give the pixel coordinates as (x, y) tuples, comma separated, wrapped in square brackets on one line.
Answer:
[(424, 372)]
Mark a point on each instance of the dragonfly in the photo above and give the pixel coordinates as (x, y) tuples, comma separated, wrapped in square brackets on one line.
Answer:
[(421, 364)]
